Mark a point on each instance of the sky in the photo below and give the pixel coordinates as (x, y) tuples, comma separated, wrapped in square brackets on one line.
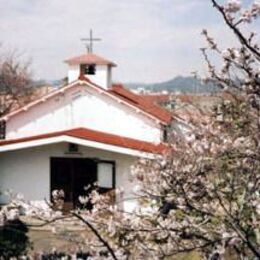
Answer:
[(149, 40)]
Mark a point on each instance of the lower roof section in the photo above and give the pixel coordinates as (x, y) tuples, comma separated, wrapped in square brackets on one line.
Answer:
[(90, 138)]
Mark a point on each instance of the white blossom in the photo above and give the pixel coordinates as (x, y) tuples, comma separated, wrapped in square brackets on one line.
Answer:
[(137, 188), (12, 214), (20, 196), (83, 199), (54, 230), (256, 7), (258, 209), (2, 218), (247, 16), (233, 6), (226, 54), (234, 241), (226, 235), (111, 227)]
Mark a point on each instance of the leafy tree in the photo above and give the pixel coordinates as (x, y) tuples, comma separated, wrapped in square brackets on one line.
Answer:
[(16, 84), (14, 241)]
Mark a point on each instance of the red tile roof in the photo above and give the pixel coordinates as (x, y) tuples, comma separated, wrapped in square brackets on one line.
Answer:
[(118, 91), (157, 98), (97, 136), (147, 105), (89, 58)]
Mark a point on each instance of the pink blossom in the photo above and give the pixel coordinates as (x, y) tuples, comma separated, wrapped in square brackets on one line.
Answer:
[(233, 6), (247, 16), (256, 7)]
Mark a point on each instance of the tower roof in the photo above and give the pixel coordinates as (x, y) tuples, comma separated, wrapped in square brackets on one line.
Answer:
[(89, 58)]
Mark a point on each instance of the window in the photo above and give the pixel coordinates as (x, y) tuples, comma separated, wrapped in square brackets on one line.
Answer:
[(73, 148), (2, 129), (165, 134), (106, 175), (90, 69), (106, 178)]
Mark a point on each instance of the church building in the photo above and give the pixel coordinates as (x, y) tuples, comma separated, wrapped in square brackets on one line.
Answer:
[(88, 131)]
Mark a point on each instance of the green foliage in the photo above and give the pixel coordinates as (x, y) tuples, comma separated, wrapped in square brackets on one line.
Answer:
[(14, 241)]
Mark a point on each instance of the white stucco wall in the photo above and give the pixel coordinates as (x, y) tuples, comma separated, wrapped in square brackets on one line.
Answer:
[(101, 78), (73, 73), (83, 107), (27, 171)]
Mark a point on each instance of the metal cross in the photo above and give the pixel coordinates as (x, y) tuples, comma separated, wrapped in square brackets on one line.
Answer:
[(89, 45)]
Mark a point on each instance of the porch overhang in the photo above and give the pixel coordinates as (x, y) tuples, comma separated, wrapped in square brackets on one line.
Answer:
[(88, 138)]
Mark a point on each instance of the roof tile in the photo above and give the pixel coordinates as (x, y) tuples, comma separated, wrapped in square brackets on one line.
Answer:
[(89, 58), (145, 104)]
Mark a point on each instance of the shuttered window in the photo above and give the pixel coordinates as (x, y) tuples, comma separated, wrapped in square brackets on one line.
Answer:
[(2, 129)]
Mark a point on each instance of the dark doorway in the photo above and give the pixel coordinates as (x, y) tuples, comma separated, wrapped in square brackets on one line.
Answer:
[(72, 175)]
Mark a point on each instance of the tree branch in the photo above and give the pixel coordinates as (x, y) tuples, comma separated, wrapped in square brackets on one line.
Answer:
[(236, 31), (105, 243)]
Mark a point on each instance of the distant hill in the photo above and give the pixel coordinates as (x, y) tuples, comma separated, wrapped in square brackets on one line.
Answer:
[(53, 83), (177, 84)]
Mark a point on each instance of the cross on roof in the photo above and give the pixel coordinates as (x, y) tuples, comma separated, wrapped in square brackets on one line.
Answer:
[(89, 45)]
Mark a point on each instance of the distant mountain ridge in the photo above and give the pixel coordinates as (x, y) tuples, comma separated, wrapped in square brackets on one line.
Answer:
[(178, 84)]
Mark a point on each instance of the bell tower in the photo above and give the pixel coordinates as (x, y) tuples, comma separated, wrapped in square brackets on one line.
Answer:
[(95, 68)]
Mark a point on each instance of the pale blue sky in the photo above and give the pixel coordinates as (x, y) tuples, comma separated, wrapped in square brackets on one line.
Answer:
[(150, 40)]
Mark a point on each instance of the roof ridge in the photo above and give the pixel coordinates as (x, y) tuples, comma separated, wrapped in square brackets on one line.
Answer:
[(160, 113)]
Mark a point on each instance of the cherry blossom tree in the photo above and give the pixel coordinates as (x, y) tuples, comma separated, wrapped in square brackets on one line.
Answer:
[(204, 195)]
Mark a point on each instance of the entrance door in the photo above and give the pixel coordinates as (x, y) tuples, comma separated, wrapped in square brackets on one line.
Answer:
[(84, 174), (72, 175)]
